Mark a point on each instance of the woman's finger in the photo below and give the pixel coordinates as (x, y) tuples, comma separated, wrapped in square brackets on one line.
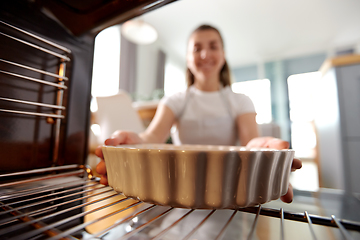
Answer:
[(296, 164), (277, 143), (268, 142), (103, 180), (98, 152), (123, 137), (101, 168), (116, 139), (288, 197)]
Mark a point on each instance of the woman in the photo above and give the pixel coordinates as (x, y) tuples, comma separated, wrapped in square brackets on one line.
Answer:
[(208, 112)]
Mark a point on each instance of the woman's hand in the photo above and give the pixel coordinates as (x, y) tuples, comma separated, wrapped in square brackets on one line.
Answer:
[(270, 142), (117, 138)]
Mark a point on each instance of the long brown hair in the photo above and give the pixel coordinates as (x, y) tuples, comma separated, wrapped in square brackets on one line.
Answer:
[(225, 77)]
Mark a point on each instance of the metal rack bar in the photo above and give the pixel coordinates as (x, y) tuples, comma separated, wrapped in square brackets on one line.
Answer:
[(41, 170), (222, 231), (152, 4), (39, 203), (38, 225), (199, 225), (63, 221), (32, 113), (310, 225), (125, 219), (43, 189), (104, 217), (63, 57), (59, 100), (282, 224), (32, 103), (300, 217), (343, 231), (251, 234), (19, 226), (34, 79), (73, 173), (172, 225), (139, 228), (52, 194), (49, 195), (38, 38), (34, 69), (26, 222)]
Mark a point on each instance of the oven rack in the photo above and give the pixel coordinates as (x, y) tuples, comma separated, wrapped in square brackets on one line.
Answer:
[(59, 76), (34, 204)]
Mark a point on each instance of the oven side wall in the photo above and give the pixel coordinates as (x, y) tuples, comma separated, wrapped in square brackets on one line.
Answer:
[(28, 142)]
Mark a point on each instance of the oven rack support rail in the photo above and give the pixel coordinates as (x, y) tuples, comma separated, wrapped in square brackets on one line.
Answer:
[(60, 75), (52, 112), (33, 203)]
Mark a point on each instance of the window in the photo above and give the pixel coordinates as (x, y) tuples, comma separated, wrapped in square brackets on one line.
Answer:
[(260, 93), (174, 79), (303, 136), (301, 101), (106, 68)]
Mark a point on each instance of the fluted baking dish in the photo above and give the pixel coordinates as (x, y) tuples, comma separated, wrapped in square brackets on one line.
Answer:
[(198, 176)]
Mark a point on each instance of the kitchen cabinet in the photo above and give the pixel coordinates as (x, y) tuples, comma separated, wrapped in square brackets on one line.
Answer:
[(338, 123), (146, 110)]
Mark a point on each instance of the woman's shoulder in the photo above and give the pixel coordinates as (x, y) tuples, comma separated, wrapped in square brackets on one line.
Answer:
[(175, 97), (233, 95), (239, 101), (175, 102)]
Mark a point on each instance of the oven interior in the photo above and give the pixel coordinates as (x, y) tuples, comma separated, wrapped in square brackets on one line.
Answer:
[(47, 191)]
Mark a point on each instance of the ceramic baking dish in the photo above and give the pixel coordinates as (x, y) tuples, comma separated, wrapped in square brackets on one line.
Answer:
[(198, 176)]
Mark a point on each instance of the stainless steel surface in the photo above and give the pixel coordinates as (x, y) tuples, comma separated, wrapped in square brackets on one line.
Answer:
[(34, 206)]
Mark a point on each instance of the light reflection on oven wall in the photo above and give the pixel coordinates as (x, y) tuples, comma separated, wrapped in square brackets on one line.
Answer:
[(292, 97)]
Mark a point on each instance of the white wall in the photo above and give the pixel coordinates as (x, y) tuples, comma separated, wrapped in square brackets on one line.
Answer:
[(147, 60)]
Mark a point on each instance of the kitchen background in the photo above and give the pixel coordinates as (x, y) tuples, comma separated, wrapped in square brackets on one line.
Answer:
[(275, 50)]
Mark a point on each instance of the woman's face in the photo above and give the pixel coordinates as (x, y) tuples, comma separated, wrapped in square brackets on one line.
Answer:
[(205, 56)]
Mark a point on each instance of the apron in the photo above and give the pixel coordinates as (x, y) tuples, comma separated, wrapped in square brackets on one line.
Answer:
[(206, 131)]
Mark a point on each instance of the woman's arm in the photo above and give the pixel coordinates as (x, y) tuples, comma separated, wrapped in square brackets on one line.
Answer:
[(159, 129), (247, 127)]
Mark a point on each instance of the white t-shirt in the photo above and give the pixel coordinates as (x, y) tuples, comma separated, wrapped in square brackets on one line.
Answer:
[(201, 116), (208, 104)]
